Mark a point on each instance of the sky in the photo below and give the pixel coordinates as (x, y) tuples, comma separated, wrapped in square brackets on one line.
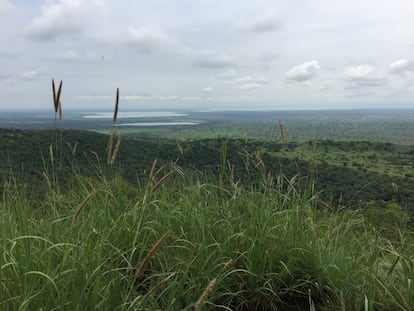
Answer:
[(207, 54)]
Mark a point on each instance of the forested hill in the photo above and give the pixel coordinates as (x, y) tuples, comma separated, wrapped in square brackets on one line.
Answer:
[(345, 173)]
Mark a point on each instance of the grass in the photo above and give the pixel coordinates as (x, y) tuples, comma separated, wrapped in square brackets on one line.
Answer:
[(132, 248)]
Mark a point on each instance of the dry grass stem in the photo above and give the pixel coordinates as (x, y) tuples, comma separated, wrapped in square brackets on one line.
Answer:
[(342, 301), (116, 150), (162, 180), (60, 110), (82, 205), (144, 263), (109, 146)]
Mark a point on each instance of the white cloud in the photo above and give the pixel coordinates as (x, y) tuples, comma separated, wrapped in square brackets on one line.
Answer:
[(213, 59), (33, 75), (363, 76), (269, 57), (402, 66), (250, 86), (207, 89), (304, 72), (74, 56), (9, 55), (63, 17), (226, 74), (246, 79), (94, 97), (362, 80), (139, 97), (149, 39), (248, 83), (263, 80), (360, 72), (265, 23), (4, 77)]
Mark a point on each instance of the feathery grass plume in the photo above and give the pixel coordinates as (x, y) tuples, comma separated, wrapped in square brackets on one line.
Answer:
[(259, 159), (203, 297), (157, 286), (281, 131), (54, 96), (154, 164), (116, 150), (47, 180), (56, 99), (294, 179), (180, 153), (180, 149), (75, 147), (162, 180), (109, 146), (116, 106), (394, 187), (226, 265), (59, 92), (144, 263), (82, 205)]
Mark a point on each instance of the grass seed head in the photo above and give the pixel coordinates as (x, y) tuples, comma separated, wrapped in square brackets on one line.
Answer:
[(203, 297), (144, 263), (82, 205), (116, 106), (54, 96)]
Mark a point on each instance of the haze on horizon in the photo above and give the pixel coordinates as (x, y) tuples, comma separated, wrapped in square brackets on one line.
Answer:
[(205, 54)]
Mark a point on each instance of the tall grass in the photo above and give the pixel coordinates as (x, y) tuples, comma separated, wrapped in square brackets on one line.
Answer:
[(285, 253)]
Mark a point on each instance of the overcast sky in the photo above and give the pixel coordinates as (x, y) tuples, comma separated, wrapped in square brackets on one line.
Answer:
[(237, 54)]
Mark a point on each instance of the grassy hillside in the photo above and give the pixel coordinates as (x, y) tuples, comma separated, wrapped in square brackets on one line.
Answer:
[(223, 228)]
